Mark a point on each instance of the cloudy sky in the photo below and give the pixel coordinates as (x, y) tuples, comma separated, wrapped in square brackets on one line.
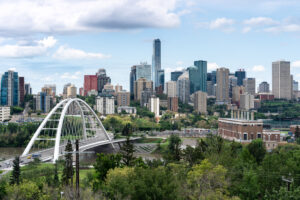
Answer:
[(59, 41)]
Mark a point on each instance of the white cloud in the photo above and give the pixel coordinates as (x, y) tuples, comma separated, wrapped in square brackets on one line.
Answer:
[(296, 64), (212, 66), (68, 75), (224, 24), (12, 69), (66, 16), (284, 28), (26, 49), (260, 21), (64, 52), (246, 29), (258, 68)]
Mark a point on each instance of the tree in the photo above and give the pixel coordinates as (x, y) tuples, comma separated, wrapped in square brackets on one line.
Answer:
[(3, 191), (68, 171), (127, 151), (297, 132), (174, 147), (257, 150), (15, 175), (206, 181), (102, 165), (127, 130)]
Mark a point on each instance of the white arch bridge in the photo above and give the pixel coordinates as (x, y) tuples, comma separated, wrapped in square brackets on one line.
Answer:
[(70, 119)]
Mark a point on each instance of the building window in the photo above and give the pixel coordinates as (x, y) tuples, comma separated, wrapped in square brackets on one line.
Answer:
[(258, 135), (245, 136)]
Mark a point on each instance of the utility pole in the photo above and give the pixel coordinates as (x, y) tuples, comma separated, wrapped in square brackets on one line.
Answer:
[(288, 181), (77, 169)]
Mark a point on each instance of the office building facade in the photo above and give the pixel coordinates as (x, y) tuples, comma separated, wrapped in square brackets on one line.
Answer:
[(249, 84), (171, 89), (175, 75), (198, 76), (154, 105), (102, 79), (43, 102), (10, 89), (28, 89), (156, 61), (222, 90), (21, 90), (246, 101), (264, 87), (140, 85), (183, 87), (240, 75), (123, 98), (200, 102), (90, 83), (173, 104), (281, 80)]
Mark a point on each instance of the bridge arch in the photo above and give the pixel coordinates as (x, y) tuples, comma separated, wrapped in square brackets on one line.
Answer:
[(73, 107)]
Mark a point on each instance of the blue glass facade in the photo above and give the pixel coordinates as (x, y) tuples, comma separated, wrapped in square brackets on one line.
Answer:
[(161, 78), (156, 61), (175, 75), (10, 89), (241, 75), (198, 76)]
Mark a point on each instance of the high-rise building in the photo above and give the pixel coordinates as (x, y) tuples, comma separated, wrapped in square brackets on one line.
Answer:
[(156, 61), (161, 79), (198, 76), (154, 105), (222, 91), (21, 90), (171, 89), (212, 76), (132, 79), (281, 80), (210, 88), (53, 88), (145, 97), (28, 89), (43, 102), (183, 87), (81, 91), (236, 94), (105, 105), (246, 101), (118, 88), (249, 84), (123, 98), (65, 90), (241, 75), (102, 79), (90, 83), (71, 91), (143, 70), (175, 75), (232, 84), (173, 104), (200, 102), (295, 85), (47, 90), (10, 88), (140, 85), (264, 87)]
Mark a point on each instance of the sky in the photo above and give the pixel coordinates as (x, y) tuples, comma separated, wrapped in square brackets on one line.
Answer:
[(58, 41)]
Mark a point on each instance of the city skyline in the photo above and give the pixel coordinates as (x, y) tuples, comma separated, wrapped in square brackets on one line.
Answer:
[(247, 34)]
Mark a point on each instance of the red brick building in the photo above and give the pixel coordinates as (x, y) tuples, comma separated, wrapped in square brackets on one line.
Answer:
[(90, 83), (21, 90), (241, 126), (265, 96)]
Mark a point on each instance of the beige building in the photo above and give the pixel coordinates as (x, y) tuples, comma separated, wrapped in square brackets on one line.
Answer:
[(71, 91), (141, 85), (222, 84), (108, 86), (171, 88), (281, 80), (200, 102), (123, 98), (246, 101), (4, 113), (118, 88)]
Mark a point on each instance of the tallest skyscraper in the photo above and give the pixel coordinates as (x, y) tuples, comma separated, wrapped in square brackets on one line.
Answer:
[(156, 61)]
